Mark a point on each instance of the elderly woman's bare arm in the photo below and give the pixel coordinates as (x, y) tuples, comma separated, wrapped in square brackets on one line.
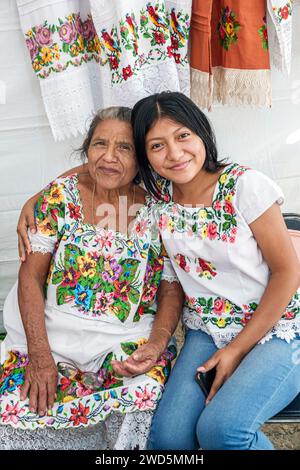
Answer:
[(26, 219), (41, 372), (170, 301)]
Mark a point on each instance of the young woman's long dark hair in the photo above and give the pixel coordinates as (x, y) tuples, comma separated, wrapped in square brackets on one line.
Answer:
[(179, 108)]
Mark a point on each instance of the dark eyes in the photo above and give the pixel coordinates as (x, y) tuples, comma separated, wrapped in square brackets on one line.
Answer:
[(184, 135), (157, 146)]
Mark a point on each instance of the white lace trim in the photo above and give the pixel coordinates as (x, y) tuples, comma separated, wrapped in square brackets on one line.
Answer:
[(40, 249), (284, 329), (118, 432), (231, 87), (91, 438), (128, 432), (166, 277)]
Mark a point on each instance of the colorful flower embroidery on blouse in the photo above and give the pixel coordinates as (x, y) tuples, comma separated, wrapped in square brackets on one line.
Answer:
[(70, 41), (151, 283), (214, 223), (263, 32), (220, 311), (94, 281), (203, 268), (283, 13), (228, 28)]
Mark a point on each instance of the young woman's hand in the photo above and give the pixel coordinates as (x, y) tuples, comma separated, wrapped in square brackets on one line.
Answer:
[(225, 360), (140, 362), (26, 220), (40, 384)]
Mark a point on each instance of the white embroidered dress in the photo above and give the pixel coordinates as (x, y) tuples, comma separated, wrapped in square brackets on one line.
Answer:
[(217, 259), (100, 306)]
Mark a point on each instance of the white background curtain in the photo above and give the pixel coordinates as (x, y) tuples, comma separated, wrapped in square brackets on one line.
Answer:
[(266, 139)]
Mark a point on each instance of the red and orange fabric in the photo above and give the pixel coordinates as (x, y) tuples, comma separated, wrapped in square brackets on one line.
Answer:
[(229, 53)]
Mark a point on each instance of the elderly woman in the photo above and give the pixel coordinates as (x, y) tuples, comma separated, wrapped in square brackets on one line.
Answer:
[(86, 298)]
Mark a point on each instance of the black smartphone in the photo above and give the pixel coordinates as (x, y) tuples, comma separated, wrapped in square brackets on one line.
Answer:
[(205, 380)]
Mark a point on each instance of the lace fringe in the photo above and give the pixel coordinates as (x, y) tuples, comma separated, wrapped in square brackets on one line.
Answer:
[(40, 249), (166, 277), (231, 87)]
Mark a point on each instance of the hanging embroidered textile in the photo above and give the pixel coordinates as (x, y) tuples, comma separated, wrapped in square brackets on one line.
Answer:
[(229, 53), (279, 21), (146, 45), (141, 48), (66, 56)]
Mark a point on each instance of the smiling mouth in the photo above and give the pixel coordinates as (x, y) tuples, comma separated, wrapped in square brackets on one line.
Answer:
[(108, 171), (180, 166)]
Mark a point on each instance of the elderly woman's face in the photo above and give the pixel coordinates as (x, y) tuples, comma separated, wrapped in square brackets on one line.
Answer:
[(111, 156)]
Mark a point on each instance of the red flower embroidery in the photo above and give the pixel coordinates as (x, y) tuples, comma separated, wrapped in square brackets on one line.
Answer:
[(74, 211), (229, 208), (114, 63), (159, 38), (175, 43), (127, 72), (212, 230), (79, 415), (219, 306), (284, 12)]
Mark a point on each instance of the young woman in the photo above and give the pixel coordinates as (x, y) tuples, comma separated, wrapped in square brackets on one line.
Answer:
[(226, 238), (223, 230)]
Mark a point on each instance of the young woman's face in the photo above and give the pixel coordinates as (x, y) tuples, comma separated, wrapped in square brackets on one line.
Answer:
[(174, 151)]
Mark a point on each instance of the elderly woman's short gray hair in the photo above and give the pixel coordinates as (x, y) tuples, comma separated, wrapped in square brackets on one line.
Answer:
[(119, 113)]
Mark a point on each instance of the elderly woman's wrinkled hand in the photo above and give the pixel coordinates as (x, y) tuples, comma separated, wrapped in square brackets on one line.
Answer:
[(26, 220), (40, 384), (140, 362)]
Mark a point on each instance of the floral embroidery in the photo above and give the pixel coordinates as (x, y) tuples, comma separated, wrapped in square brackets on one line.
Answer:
[(203, 268), (95, 282), (167, 32), (57, 46), (182, 262), (219, 311), (283, 13), (214, 223), (78, 403), (151, 283), (228, 27), (263, 32)]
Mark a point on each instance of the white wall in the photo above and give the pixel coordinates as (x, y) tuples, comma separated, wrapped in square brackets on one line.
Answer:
[(29, 157)]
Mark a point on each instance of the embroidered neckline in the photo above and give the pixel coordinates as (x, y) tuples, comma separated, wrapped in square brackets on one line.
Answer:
[(140, 214)]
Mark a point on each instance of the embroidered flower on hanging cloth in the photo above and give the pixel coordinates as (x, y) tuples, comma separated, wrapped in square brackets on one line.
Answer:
[(229, 53), (279, 20), (92, 54)]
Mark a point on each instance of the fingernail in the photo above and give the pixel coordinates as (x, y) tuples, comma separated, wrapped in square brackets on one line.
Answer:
[(201, 369), (33, 230), (32, 410)]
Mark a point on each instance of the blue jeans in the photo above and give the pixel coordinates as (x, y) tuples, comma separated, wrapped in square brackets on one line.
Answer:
[(264, 383)]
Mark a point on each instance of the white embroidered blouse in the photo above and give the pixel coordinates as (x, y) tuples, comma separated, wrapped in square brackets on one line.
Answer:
[(217, 259)]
